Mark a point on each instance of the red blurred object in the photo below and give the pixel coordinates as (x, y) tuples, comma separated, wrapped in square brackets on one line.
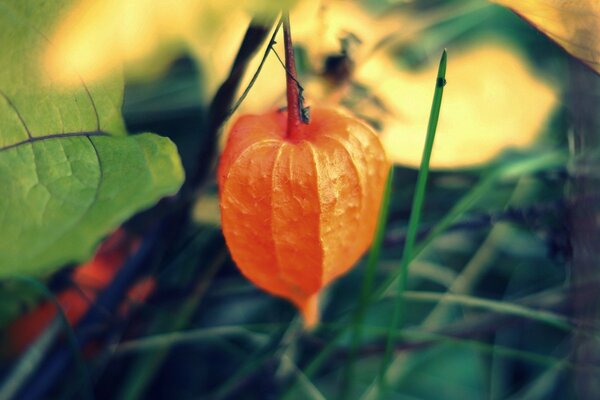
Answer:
[(89, 279)]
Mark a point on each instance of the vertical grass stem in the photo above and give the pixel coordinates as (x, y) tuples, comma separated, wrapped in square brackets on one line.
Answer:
[(413, 223)]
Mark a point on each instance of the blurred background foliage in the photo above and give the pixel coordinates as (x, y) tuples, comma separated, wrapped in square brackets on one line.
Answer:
[(501, 305)]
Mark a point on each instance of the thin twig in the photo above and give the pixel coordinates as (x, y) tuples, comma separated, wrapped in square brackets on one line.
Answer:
[(223, 101), (272, 42)]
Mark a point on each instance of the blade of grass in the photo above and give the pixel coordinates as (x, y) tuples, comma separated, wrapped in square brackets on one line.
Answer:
[(254, 362), (501, 307), (31, 358), (147, 366), (544, 385), (34, 356), (415, 215), (416, 338), (166, 340), (517, 169), (366, 288), (400, 366), (413, 336), (316, 363), (309, 389), (484, 257)]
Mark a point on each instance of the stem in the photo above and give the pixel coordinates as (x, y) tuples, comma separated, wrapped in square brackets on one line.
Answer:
[(413, 223), (255, 76), (221, 103), (294, 97)]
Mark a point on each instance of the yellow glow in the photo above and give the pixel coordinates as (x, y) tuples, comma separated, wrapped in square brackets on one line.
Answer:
[(98, 37), (492, 102), (573, 24), (318, 26)]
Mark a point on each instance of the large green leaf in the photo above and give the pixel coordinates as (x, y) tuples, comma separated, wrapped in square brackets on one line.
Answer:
[(68, 172)]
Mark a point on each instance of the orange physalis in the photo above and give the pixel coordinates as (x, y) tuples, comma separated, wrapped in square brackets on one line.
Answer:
[(300, 201)]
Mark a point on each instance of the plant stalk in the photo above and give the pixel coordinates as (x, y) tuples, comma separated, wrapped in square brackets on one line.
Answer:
[(413, 224), (294, 97)]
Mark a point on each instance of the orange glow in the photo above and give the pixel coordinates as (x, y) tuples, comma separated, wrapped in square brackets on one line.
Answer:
[(89, 279), (99, 37)]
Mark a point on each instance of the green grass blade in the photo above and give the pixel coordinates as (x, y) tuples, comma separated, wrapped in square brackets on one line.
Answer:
[(34, 355), (167, 340), (148, 364), (27, 363), (308, 389), (500, 307), (256, 361), (415, 215), (417, 337), (367, 286), (518, 169)]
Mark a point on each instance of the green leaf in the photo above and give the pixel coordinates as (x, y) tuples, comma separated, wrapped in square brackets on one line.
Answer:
[(68, 173)]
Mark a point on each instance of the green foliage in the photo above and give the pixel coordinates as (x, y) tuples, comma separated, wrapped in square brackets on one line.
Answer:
[(68, 173)]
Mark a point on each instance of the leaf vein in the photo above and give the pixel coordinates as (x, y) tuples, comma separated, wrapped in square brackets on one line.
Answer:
[(18, 114), (33, 139)]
